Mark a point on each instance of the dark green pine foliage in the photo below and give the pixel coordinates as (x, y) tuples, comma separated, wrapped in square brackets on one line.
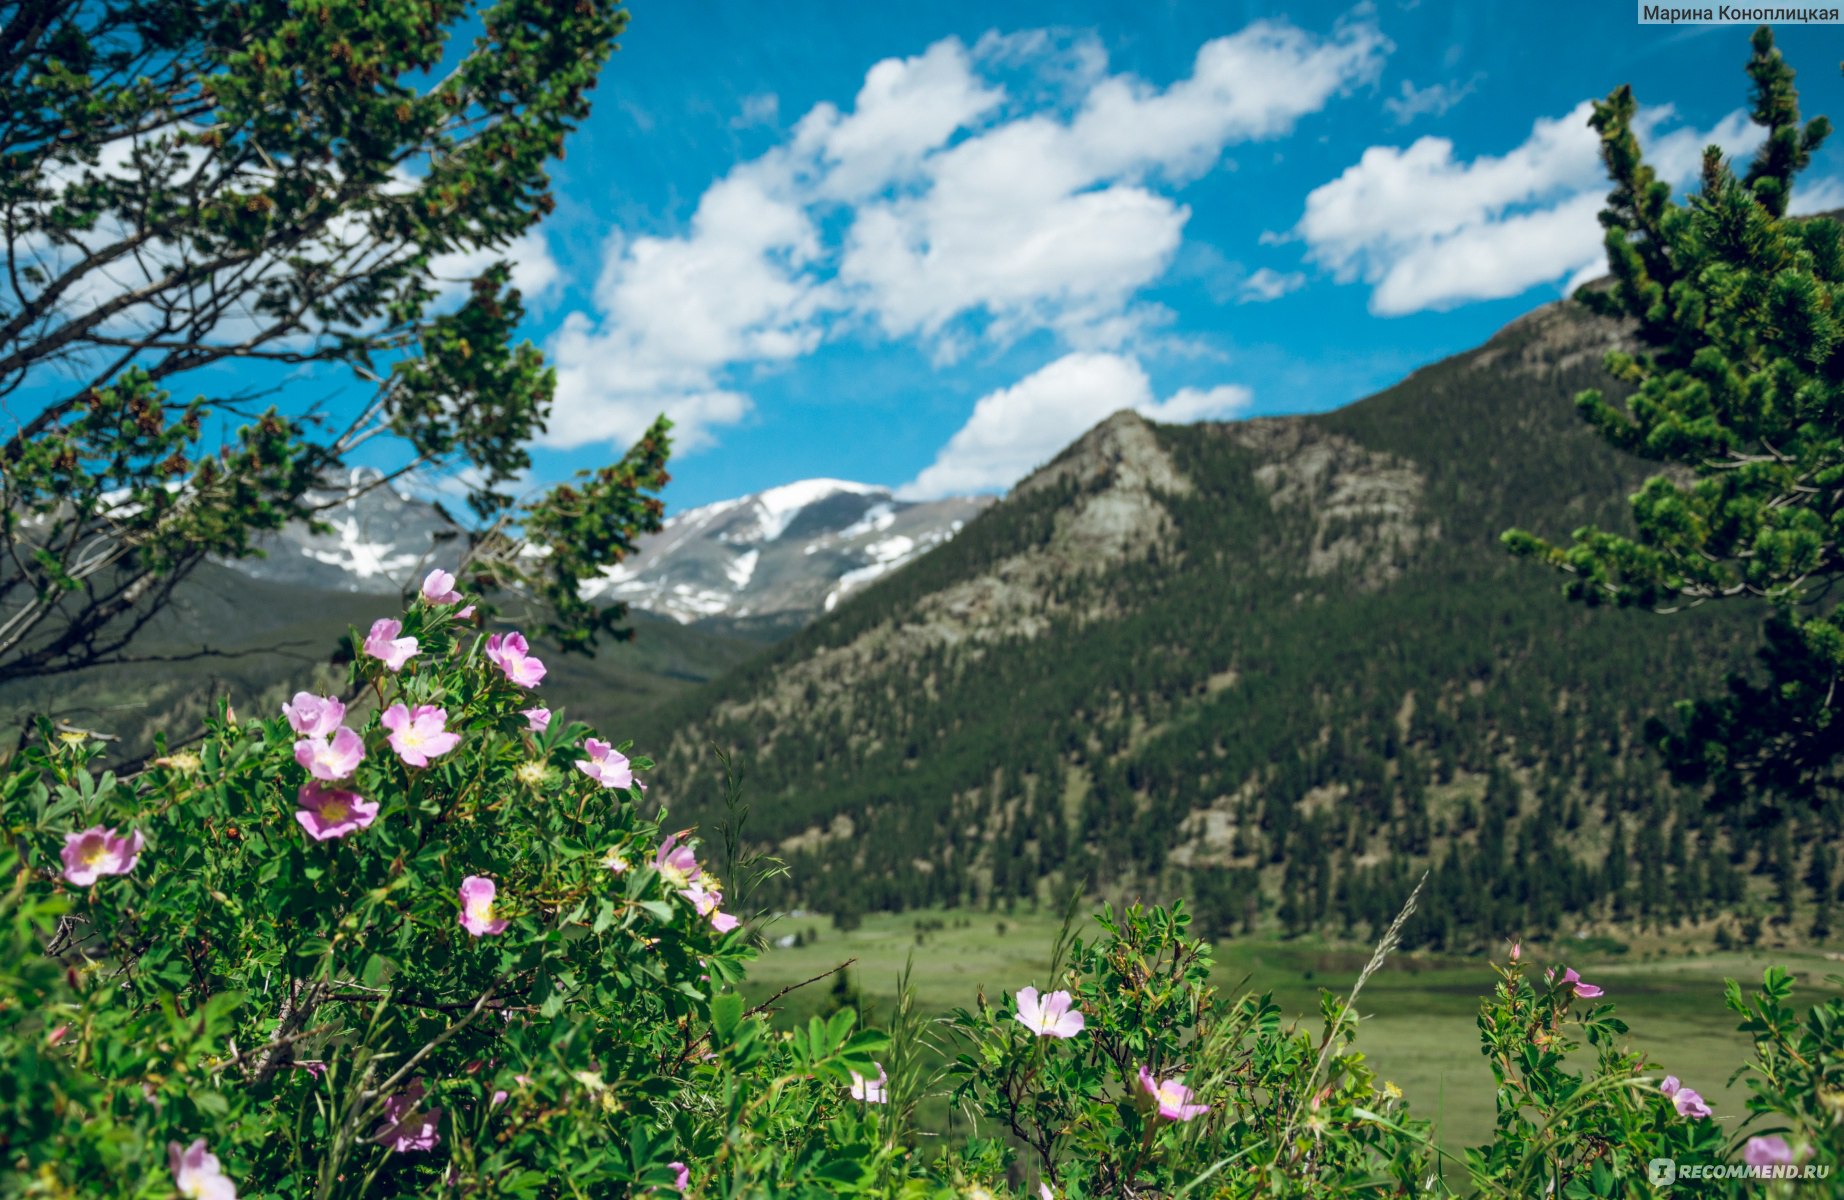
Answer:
[(1737, 383)]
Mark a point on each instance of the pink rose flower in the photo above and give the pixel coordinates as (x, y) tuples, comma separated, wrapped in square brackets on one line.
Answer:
[(332, 812), (706, 902), (871, 1091), (1687, 1102), (331, 758), (404, 1127), (1587, 991), (1052, 1016), (684, 1176), (1771, 1151), (196, 1173), (676, 863), (536, 719), (382, 643), (1172, 1097), (420, 734), (509, 652), (477, 893), (314, 716), (465, 614), (439, 587), (96, 852), (605, 764)]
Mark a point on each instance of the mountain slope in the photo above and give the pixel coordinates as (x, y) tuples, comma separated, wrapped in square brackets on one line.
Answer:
[(763, 564), (1281, 657), (774, 560)]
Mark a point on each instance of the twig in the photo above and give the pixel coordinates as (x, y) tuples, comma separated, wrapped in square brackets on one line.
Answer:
[(794, 987)]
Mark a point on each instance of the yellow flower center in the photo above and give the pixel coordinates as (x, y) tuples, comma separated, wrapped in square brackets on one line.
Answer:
[(335, 810), (94, 853)]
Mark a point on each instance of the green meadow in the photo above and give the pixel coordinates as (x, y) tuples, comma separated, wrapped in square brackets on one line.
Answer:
[(1418, 1011)]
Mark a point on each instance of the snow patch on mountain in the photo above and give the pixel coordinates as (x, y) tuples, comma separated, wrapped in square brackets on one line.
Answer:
[(785, 555), (789, 552), (744, 566)]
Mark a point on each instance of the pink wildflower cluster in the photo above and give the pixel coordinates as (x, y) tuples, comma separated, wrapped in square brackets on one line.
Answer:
[(678, 866), (331, 752)]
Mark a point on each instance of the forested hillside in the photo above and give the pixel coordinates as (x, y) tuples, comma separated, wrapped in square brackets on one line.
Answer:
[(1280, 666)]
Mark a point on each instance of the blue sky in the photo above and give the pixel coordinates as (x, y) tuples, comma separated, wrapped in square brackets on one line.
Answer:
[(927, 245)]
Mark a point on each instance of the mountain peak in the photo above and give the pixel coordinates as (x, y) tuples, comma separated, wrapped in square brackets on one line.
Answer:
[(1123, 450), (775, 559)]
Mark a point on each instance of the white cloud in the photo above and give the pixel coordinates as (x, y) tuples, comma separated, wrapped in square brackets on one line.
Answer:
[(1428, 230), (763, 108), (965, 196), (675, 312), (535, 272), (906, 108), (1816, 196), (1251, 85), (1268, 284), (1016, 429), (1434, 100), (1044, 222)]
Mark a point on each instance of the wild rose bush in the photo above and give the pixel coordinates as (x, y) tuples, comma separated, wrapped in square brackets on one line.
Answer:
[(424, 944), (423, 938), (1143, 1081)]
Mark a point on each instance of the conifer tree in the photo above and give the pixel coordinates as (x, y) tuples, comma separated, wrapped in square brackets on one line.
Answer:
[(1738, 385), (187, 185)]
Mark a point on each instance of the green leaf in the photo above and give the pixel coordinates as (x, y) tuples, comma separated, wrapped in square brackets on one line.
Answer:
[(726, 1015)]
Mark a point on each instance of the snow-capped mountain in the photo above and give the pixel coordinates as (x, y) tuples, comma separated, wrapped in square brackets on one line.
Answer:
[(782, 556), (383, 540), (775, 559)]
